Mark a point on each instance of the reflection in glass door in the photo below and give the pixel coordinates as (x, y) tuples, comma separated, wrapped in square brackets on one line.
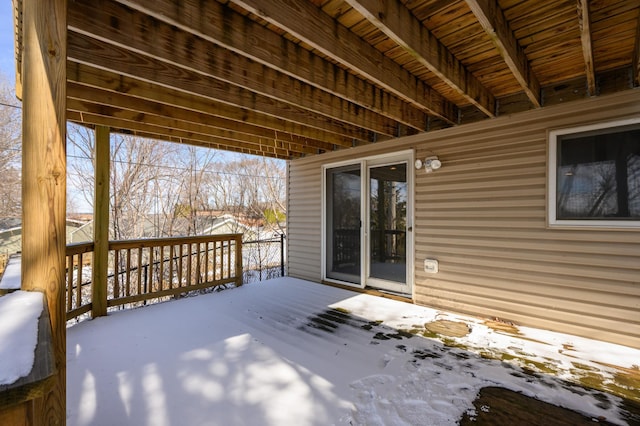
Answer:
[(343, 236), (387, 224)]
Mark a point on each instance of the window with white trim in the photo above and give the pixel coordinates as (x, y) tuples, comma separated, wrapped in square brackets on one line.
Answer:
[(594, 175)]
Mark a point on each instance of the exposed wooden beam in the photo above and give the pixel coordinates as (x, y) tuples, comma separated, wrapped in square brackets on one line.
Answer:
[(44, 183), (495, 24), (584, 21), (263, 152), (223, 147), (173, 133), (138, 90), (149, 36), (138, 118), (308, 23), (219, 24), (84, 49), (91, 100), (398, 23)]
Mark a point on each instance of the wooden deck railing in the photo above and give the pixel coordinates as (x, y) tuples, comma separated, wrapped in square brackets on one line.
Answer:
[(141, 270)]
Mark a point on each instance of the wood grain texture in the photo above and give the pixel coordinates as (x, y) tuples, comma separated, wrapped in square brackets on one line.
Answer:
[(309, 24), (338, 72), (494, 23), (584, 19), (44, 180), (397, 23), (101, 210)]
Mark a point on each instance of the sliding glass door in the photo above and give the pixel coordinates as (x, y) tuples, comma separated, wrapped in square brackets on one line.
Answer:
[(367, 223), (387, 260), (343, 220)]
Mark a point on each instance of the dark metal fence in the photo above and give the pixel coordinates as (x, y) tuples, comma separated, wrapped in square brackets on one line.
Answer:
[(263, 259)]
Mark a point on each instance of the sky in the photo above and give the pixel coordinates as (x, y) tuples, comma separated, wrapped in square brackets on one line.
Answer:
[(7, 63)]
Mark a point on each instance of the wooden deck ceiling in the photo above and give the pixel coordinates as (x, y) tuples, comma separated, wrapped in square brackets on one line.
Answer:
[(291, 78)]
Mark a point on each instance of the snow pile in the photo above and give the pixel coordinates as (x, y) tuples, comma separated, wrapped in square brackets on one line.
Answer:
[(11, 275), (287, 351), (19, 314)]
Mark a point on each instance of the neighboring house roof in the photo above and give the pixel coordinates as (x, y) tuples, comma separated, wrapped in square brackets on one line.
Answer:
[(227, 224), (11, 239)]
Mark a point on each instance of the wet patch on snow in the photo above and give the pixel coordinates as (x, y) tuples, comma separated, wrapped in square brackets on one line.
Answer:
[(443, 359)]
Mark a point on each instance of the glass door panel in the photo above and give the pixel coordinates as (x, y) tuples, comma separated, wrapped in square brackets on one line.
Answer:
[(388, 225), (343, 226)]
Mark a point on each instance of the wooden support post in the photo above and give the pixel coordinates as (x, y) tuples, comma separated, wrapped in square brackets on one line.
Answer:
[(44, 183), (238, 260), (100, 224)]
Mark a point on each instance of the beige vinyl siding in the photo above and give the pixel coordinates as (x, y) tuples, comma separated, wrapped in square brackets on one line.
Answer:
[(304, 197), (483, 216)]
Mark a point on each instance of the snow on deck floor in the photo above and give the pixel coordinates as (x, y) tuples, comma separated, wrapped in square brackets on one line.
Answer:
[(287, 352)]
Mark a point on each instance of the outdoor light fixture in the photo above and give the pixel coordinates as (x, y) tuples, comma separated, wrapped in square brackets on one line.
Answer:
[(430, 164)]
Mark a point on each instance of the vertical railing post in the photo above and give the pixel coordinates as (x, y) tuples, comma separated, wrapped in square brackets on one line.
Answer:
[(101, 225), (238, 260)]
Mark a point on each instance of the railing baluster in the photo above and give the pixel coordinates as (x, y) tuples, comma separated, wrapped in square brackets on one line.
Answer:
[(215, 260), (79, 279), (161, 266), (69, 282), (128, 272), (150, 263), (171, 256), (229, 259), (180, 266), (139, 269), (116, 283), (198, 261), (206, 262), (189, 262)]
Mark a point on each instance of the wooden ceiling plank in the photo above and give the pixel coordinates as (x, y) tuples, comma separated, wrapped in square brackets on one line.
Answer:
[(494, 23), (85, 99), (148, 36), (216, 22), (84, 49), (399, 24), (584, 23), (137, 89), (317, 29)]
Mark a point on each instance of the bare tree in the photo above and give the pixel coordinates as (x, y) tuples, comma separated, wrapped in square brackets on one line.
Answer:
[(253, 188), (197, 164), (137, 168), (10, 152), (166, 189)]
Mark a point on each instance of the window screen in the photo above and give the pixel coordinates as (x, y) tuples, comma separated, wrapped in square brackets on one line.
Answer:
[(598, 174)]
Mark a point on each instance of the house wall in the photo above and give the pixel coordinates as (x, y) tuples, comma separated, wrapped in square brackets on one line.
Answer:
[(483, 216)]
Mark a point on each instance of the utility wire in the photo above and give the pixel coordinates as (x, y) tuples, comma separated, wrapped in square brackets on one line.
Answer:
[(182, 169), (11, 106)]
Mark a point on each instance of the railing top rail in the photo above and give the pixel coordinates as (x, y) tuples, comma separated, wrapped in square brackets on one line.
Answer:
[(155, 242), (77, 248)]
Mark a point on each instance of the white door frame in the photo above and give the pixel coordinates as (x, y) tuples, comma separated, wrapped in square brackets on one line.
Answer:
[(365, 164)]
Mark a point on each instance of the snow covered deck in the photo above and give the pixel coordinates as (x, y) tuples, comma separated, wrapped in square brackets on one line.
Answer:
[(287, 352)]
